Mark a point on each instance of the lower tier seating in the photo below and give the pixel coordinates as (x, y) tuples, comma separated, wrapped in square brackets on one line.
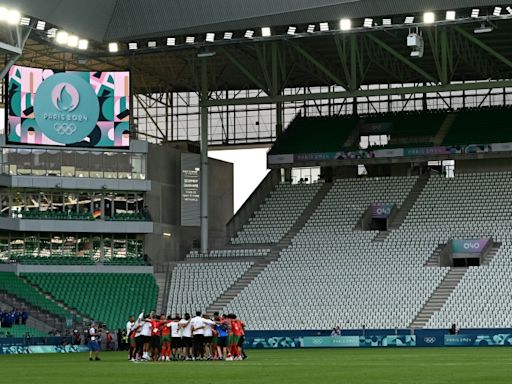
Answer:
[(106, 297), (15, 286), (336, 274), (21, 331), (194, 286)]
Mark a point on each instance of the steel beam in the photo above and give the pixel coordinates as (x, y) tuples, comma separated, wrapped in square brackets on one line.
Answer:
[(363, 93), (335, 79), (484, 46), (401, 58), (247, 73)]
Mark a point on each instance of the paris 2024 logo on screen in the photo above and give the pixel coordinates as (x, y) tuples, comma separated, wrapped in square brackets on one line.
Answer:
[(73, 109), (66, 108)]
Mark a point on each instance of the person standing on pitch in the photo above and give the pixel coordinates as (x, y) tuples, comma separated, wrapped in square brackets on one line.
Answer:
[(198, 327), (94, 345)]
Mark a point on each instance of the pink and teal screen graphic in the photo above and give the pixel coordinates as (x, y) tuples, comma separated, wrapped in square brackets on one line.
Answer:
[(67, 108)]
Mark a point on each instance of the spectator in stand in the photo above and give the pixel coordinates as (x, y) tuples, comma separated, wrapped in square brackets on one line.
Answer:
[(24, 317), (18, 317)]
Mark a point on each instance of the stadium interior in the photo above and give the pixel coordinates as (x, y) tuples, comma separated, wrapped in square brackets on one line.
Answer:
[(387, 202)]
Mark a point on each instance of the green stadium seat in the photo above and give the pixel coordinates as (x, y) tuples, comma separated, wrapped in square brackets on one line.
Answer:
[(105, 297)]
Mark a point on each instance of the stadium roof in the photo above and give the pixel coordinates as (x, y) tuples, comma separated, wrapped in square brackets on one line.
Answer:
[(358, 57), (107, 20)]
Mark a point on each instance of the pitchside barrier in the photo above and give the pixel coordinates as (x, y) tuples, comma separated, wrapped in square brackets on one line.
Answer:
[(308, 339), (379, 338)]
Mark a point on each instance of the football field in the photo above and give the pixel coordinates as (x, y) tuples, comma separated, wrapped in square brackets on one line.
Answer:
[(432, 365)]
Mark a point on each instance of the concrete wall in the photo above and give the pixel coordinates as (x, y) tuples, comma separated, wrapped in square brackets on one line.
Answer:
[(253, 202), (164, 199), (482, 165), (78, 226), (98, 268)]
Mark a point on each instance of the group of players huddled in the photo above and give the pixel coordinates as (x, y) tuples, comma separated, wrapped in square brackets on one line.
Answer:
[(155, 337)]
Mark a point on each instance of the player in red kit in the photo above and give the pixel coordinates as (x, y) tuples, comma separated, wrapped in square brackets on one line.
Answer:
[(166, 338), (156, 332)]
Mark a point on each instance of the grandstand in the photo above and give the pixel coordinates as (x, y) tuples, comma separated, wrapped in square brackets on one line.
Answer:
[(386, 205)]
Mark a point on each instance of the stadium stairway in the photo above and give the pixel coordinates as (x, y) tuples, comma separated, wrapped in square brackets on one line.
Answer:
[(433, 261), (438, 297), (406, 207), (162, 280), (489, 256), (39, 319), (445, 127), (260, 264), (51, 298)]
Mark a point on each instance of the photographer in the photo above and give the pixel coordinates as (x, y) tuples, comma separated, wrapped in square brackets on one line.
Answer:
[(94, 342)]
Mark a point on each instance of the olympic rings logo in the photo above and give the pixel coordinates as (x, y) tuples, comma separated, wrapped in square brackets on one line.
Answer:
[(429, 340), (65, 129)]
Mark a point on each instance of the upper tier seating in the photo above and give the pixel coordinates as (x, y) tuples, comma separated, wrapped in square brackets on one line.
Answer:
[(194, 286), (56, 215), (480, 126), (232, 253), (483, 125), (315, 134), (104, 297), (409, 123), (52, 260), (277, 214)]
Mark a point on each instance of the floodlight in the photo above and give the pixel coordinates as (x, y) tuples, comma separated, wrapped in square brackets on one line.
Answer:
[(83, 44), (13, 17), (368, 23), (133, 46), (205, 52), (62, 37), (266, 32), (509, 10), (73, 41), (4, 14), (152, 44), (429, 17), (41, 25), (497, 11), (450, 15), (324, 27), (475, 13), (345, 24), (190, 39), (311, 28), (210, 37), (25, 21), (409, 20), (291, 30), (249, 34), (52, 32), (386, 22), (113, 47), (228, 35), (483, 29), (171, 41)]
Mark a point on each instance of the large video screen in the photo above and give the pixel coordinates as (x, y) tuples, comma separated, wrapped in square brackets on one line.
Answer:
[(67, 108)]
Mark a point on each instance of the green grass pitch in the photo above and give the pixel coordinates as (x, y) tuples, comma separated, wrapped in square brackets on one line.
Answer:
[(350, 366)]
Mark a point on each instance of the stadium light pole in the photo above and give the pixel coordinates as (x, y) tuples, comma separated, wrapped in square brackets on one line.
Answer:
[(203, 192)]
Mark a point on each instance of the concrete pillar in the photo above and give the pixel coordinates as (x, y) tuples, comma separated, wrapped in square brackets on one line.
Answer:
[(204, 158), (279, 119)]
